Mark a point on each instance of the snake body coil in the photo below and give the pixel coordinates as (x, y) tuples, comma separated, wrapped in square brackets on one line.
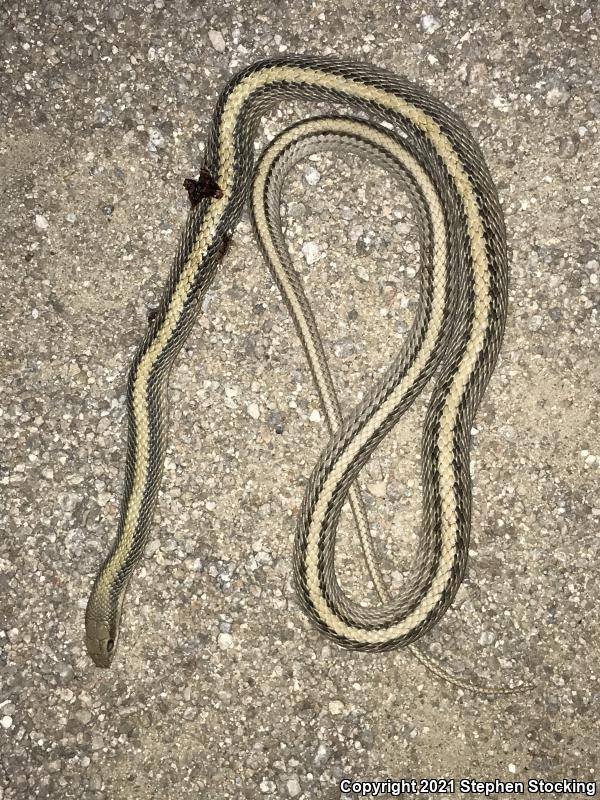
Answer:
[(456, 335)]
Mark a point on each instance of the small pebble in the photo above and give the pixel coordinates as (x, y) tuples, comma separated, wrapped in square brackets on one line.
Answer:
[(217, 40), (312, 252), (557, 96), (155, 139), (336, 707), (312, 176), (429, 24), (322, 754)]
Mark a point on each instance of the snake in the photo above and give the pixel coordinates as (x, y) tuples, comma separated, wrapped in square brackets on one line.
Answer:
[(452, 345)]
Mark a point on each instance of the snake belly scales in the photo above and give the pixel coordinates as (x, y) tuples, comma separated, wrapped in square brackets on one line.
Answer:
[(455, 339)]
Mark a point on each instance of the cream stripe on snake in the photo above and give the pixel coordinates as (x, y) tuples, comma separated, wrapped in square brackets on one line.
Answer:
[(340, 134), (357, 129), (460, 329)]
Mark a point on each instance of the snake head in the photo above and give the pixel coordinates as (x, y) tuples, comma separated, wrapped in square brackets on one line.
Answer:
[(101, 641)]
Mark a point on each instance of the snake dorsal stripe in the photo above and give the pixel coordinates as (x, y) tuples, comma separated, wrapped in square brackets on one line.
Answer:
[(455, 338)]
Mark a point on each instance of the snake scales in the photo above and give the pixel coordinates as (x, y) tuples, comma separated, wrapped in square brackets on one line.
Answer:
[(454, 340)]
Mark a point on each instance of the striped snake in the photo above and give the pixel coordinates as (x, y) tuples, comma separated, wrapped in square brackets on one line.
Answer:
[(455, 336)]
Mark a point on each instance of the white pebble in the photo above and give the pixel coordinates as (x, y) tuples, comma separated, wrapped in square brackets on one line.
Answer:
[(429, 23), (41, 223), (535, 323), (311, 251), (217, 40), (155, 138), (6, 722), (225, 641), (253, 410), (315, 416), (512, 768), (321, 754), (293, 787), (336, 707), (557, 96), (312, 176)]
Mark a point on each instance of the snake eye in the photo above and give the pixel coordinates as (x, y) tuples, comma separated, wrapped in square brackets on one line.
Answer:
[(110, 645)]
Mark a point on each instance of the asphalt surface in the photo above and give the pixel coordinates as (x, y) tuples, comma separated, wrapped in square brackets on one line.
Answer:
[(220, 687)]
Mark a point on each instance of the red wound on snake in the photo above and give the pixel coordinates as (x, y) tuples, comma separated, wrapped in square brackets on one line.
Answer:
[(204, 186)]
